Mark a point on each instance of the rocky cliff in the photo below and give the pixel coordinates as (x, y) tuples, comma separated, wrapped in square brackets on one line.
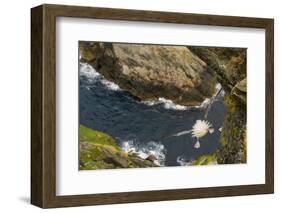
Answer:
[(230, 66), (152, 71), (100, 151)]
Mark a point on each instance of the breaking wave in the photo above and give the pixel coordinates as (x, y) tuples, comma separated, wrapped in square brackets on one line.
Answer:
[(141, 129), (183, 162), (167, 104), (156, 149), (220, 90), (93, 76)]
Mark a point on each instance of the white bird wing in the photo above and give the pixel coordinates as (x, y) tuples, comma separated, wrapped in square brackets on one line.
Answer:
[(182, 133)]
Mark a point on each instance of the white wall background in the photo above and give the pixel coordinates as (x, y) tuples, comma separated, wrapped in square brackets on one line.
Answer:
[(15, 105)]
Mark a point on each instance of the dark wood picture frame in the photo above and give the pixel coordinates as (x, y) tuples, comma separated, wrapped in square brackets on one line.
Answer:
[(43, 105)]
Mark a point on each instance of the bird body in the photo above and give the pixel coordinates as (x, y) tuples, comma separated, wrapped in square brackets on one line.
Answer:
[(199, 130)]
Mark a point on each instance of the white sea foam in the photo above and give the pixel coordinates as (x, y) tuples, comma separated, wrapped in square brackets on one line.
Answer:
[(218, 87), (207, 101), (204, 104), (110, 85), (92, 76), (167, 104), (183, 162), (156, 149), (89, 72)]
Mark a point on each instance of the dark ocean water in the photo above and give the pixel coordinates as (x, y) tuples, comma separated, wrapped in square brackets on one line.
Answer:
[(146, 127)]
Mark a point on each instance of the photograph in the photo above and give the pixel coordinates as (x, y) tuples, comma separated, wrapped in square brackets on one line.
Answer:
[(158, 105), (182, 102)]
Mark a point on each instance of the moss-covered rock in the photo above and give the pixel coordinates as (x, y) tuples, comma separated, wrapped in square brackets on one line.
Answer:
[(233, 135), (100, 151), (205, 160), (240, 91)]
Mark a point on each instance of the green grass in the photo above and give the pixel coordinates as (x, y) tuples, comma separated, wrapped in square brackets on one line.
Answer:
[(96, 137)]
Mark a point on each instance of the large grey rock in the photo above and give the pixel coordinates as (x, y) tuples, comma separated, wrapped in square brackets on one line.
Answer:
[(153, 71)]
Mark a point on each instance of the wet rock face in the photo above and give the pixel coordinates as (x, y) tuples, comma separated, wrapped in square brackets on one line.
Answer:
[(233, 135), (228, 63), (240, 91), (152, 71), (234, 63)]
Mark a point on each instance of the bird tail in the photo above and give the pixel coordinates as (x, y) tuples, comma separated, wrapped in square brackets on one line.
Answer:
[(182, 133)]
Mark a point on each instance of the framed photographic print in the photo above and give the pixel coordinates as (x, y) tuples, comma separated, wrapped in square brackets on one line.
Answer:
[(136, 106)]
